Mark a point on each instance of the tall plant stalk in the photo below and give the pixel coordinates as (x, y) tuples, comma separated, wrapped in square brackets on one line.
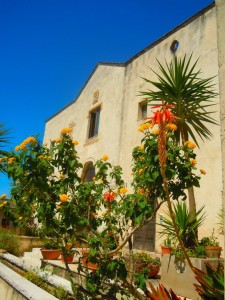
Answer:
[(161, 117)]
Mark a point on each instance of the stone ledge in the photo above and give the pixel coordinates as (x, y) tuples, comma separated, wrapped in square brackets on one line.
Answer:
[(24, 288)]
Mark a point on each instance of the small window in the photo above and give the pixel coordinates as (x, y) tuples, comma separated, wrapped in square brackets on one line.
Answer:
[(88, 172), (174, 46), (94, 123), (142, 114)]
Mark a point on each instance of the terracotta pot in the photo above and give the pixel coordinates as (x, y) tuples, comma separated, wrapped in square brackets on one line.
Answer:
[(153, 269), (85, 261), (213, 252), (50, 254), (165, 250), (69, 259)]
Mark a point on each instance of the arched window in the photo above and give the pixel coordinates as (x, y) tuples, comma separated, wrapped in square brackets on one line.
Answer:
[(88, 172)]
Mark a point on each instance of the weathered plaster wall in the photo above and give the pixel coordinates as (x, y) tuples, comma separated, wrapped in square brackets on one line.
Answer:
[(220, 5), (108, 80)]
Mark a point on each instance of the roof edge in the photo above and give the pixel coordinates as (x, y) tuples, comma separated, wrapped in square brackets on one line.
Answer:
[(85, 84), (183, 24)]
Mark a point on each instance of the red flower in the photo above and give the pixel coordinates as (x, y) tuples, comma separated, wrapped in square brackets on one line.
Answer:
[(109, 196), (163, 114)]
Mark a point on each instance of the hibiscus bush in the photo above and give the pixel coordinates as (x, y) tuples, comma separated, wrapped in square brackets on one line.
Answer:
[(103, 214)]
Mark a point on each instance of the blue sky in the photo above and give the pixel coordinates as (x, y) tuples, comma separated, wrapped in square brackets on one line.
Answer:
[(48, 49)]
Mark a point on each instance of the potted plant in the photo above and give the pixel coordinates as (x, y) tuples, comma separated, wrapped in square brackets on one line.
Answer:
[(85, 260), (212, 247), (51, 250), (185, 222), (166, 247), (145, 262), (67, 253)]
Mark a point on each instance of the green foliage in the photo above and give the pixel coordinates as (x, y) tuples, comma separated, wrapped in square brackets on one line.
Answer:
[(211, 282), (58, 292), (51, 243), (186, 223), (197, 251), (4, 139), (9, 242), (143, 257), (210, 240)]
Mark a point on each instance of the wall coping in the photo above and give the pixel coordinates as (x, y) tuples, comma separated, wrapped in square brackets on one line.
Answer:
[(23, 286)]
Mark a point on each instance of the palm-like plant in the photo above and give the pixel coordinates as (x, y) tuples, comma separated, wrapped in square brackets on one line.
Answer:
[(179, 84), (186, 224), (3, 138)]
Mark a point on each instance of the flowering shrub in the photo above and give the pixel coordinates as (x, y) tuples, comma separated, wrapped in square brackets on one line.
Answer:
[(102, 214)]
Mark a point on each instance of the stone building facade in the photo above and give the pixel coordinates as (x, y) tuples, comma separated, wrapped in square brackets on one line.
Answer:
[(107, 112)]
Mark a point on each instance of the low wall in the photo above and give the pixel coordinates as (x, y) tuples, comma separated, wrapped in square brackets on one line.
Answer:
[(29, 242), (15, 287), (177, 274)]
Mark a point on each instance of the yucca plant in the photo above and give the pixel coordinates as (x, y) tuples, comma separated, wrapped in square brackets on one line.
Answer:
[(186, 224), (211, 282), (191, 97), (161, 293)]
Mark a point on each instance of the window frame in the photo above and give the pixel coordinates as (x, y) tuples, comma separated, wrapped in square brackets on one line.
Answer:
[(142, 114), (94, 120)]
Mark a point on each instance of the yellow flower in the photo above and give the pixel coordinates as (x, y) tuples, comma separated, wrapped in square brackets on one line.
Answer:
[(5, 202), (141, 147), (203, 171), (140, 171), (190, 144), (144, 126), (58, 206), (58, 140), (1, 159), (75, 142), (66, 130), (94, 178), (28, 140), (10, 160), (40, 156), (132, 173), (62, 176), (123, 190), (63, 197), (94, 215), (193, 162), (20, 218), (24, 198), (171, 126), (105, 157), (69, 245), (155, 132), (3, 196), (23, 146), (103, 213), (140, 191)]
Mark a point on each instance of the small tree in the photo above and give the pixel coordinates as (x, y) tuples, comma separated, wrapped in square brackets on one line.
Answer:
[(102, 214)]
